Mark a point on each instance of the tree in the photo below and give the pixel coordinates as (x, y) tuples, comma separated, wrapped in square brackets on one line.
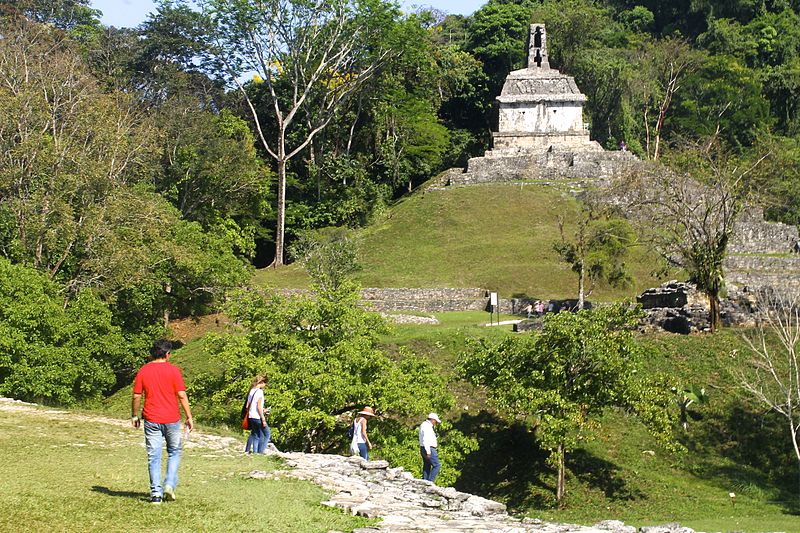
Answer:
[(596, 251), (329, 256), (323, 362), (497, 35), (310, 57), (64, 145), (212, 172), (75, 16), (690, 220), (561, 381), (51, 352), (661, 67), (722, 98), (773, 378)]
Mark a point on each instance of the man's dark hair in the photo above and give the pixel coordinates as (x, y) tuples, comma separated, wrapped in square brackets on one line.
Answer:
[(160, 349)]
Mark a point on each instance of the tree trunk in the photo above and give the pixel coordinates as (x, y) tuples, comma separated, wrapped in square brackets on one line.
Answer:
[(280, 228), (560, 489), (581, 286), (168, 290), (714, 319)]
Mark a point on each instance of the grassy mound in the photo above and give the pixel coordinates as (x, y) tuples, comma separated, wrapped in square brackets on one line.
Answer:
[(498, 238)]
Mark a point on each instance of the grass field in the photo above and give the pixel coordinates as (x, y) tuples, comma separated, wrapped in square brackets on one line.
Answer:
[(72, 472), (499, 238)]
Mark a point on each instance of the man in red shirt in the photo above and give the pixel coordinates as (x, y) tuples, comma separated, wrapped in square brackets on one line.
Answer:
[(163, 388)]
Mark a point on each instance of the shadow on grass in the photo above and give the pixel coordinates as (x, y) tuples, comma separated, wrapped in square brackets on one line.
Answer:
[(121, 493), (759, 450), (601, 474), (510, 466)]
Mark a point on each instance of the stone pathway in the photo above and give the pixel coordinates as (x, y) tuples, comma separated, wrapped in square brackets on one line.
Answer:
[(374, 490)]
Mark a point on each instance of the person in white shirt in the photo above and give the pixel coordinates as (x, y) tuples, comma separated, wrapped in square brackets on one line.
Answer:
[(259, 430), (361, 444), (427, 448)]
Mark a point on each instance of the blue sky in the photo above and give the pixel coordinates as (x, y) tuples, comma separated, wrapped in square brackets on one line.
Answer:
[(130, 13)]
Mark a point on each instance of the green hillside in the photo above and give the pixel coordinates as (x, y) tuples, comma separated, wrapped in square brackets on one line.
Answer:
[(621, 472), (498, 237)]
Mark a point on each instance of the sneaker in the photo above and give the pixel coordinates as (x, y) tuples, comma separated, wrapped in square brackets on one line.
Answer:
[(169, 493), (156, 500)]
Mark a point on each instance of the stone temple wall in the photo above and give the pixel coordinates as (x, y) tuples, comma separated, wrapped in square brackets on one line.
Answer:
[(425, 300), (754, 235), (516, 166)]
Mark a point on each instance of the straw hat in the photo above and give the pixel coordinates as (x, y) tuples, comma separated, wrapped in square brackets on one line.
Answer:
[(367, 411)]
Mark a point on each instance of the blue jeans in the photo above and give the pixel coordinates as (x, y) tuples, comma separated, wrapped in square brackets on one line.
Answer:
[(363, 450), (430, 467), (260, 436), (154, 436)]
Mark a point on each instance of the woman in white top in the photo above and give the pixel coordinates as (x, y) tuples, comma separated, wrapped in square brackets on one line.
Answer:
[(259, 431), (361, 443)]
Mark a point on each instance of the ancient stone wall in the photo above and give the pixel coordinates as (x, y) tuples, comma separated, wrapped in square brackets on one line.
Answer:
[(678, 307), (513, 166), (424, 300), (752, 234)]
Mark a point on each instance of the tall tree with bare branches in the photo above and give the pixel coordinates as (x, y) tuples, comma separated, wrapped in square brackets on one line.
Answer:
[(310, 55), (662, 66), (773, 378)]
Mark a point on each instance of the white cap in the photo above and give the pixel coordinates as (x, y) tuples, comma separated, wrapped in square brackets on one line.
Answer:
[(434, 416)]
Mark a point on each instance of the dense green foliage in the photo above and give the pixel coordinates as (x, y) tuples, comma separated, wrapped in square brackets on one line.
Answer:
[(54, 353), (323, 363), (561, 380)]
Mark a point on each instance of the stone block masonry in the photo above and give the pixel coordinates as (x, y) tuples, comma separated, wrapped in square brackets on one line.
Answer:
[(753, 235), (424, 300)]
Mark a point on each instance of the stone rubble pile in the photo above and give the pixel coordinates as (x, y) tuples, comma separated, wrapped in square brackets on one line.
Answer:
[(374, 490)]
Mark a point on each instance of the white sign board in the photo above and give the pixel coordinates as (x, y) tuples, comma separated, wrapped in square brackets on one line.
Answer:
[(493, 299)]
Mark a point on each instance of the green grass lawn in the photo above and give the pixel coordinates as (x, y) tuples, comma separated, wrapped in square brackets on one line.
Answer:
[(73, 473), (499, 238)]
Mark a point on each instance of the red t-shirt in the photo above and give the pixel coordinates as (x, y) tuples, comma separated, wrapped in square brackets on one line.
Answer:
[(160, 382)]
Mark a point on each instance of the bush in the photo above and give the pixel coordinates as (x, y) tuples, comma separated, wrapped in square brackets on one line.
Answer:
[(53, 352)]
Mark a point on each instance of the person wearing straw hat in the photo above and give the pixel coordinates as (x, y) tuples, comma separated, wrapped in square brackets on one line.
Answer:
[(427, 447), (361, 444)]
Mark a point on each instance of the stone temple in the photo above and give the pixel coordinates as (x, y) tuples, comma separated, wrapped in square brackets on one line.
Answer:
[(541, 108), (541, 140), (541, 134)]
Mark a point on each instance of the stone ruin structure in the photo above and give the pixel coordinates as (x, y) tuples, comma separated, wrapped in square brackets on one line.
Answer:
[(403, 504), (541, 135), (541, 139), (540, 107)]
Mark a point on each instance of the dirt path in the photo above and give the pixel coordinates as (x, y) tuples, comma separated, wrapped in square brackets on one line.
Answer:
[(196, 438)]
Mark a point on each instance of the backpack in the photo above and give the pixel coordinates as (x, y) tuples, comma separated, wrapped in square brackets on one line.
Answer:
[(352, 431)]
